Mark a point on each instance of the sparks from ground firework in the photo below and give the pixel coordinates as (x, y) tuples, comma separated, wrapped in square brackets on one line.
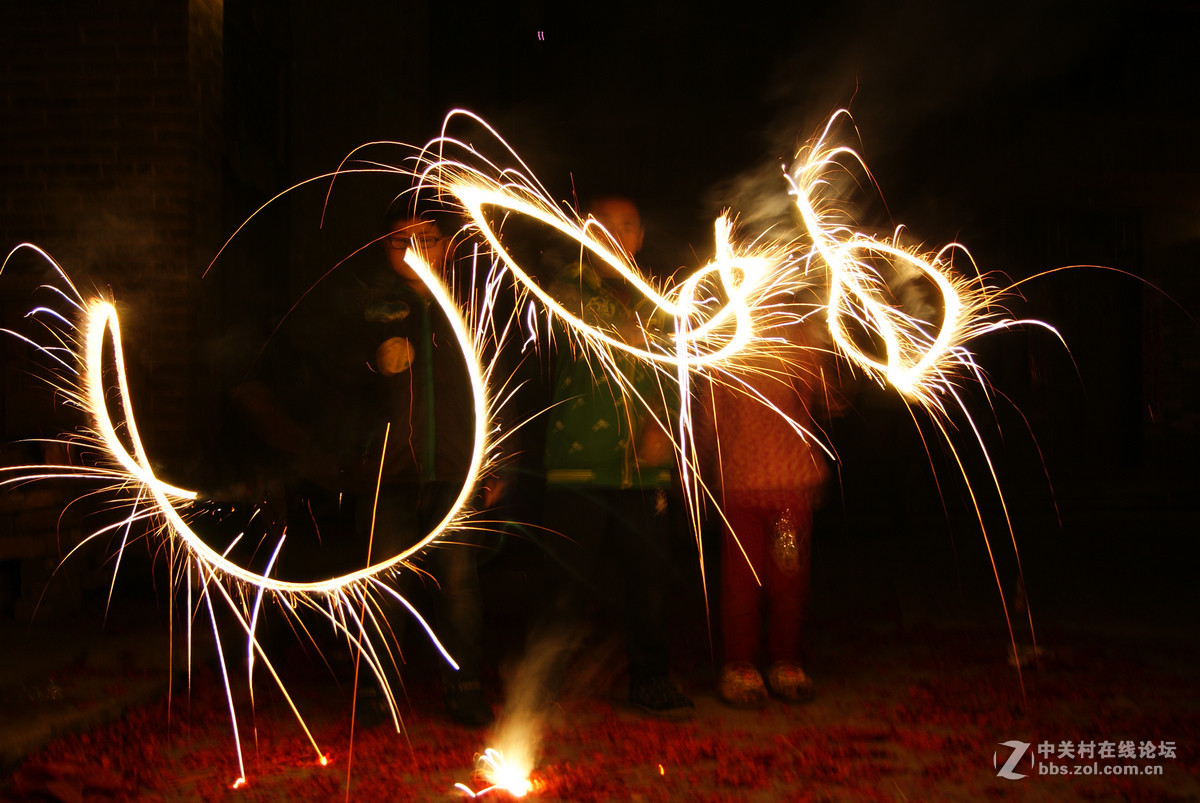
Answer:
[(723, 313)]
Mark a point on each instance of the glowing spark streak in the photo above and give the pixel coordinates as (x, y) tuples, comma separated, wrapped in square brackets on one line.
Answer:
[(72, 302), (228, 689), (258, 598), (530, 325), (211, 581), (52, 312), (848, 279), (48, 351), (189, 580), (420, 620), (378, 485), (54, 264), (127, 528)]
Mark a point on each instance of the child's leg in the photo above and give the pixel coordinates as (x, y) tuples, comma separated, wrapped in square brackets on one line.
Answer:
[(741, 595), (787, 572)]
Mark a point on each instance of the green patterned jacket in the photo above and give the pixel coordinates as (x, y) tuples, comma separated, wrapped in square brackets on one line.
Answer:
[(601, 419)]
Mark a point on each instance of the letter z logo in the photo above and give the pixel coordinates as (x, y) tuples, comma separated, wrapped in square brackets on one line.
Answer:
[(1018, 751)]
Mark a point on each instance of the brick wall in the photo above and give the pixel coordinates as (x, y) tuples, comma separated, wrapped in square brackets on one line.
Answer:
[(110, 159)]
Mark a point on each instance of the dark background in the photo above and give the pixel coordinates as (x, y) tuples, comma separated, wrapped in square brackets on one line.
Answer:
[(135, 137)]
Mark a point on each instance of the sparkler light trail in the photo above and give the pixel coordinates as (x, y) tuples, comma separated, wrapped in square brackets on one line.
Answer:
[(729, 308), (724, 315)]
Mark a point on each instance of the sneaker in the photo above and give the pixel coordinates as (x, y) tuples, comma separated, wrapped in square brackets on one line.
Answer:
[(659, 697), (789, 682), (465, 704), (742, 686)]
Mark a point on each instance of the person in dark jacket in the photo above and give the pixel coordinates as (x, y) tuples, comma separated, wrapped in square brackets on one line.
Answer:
[(422, 440)]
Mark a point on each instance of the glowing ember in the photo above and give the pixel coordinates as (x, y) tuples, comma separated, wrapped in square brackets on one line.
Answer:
[(496, 773)]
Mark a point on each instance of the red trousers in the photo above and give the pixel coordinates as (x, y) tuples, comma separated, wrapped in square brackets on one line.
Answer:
[(784, 574)]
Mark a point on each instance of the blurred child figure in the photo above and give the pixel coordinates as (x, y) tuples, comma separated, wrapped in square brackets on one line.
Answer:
[(609, 465), (422, 439), (768, 479)]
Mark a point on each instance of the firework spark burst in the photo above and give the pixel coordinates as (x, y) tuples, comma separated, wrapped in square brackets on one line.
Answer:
[(496, 773)]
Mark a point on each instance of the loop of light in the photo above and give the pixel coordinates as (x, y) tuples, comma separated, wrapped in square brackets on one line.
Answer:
[(101, 318)]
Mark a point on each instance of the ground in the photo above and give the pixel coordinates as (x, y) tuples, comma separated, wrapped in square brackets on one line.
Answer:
[(908, 645)]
